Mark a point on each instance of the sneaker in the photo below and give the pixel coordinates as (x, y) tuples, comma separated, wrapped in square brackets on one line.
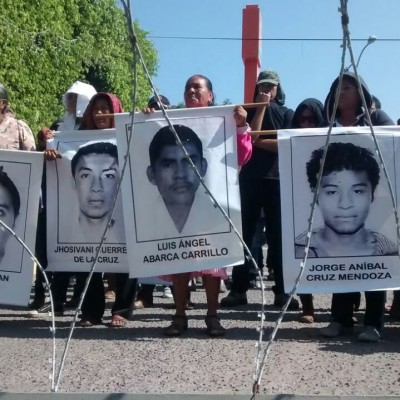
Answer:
[(234, 299), (167, 294), (332, 330), (369, 334), (281, 299), (46, 311)]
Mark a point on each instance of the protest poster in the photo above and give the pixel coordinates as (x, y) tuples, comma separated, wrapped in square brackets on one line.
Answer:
[(20, 180), (171, 223), (354, 244), (81, 187)]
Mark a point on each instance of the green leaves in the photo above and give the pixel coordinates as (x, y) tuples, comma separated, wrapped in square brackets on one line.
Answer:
[(47, 45)]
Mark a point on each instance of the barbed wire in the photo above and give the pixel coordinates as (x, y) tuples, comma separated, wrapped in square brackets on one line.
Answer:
[(346, 43), (269, 39), (118, 190), (53, 35), (261, 353), (48, 288)]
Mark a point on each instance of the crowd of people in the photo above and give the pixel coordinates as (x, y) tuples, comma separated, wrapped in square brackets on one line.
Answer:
[(260, 205)]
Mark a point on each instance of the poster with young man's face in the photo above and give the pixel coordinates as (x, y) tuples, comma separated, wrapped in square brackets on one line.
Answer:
[(20, 179), (172, 224), (352, 242), (82, 188)]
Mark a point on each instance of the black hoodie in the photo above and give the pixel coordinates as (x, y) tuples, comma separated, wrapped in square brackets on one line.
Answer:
[(315, 106), (378, 117)]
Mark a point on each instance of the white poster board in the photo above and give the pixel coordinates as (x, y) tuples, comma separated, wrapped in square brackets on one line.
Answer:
[(20, 180), (81, 187), (354, 238), (160, 241)]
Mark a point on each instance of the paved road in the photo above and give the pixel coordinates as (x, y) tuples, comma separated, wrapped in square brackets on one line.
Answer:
[(138, 359)]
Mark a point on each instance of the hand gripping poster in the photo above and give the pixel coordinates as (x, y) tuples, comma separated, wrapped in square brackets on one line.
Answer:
[(81, 188), (354, 242), (171, 223), (20, 180)]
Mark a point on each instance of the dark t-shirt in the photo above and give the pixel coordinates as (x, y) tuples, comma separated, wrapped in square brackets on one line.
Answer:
[(262, 161)]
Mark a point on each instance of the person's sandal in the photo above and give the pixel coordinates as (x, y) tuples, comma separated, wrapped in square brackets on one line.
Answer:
[(178, 327), (306, 318), (118, 321), (214, 327), (86, 323)]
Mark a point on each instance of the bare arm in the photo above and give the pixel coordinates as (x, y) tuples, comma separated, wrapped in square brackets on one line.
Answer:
[(266, 144), (257, 120), (256, 123)]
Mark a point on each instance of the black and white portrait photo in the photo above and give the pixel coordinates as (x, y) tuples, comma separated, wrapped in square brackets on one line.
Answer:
[(172, 224), (10, 204), (20, 179), (176, 181), (95, 171), (349, 180), (167, 191), (82, 187), (353, 238)]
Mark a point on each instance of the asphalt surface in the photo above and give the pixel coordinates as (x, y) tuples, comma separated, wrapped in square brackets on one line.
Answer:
[(139, 359)]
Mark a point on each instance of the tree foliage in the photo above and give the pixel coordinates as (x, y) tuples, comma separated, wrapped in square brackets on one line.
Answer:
[(49, 44)]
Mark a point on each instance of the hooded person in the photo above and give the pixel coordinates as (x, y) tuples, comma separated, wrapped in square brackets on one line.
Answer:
[(260, 189), (101, 103), (308, 114), (75, 101), (350, 111), (99, 115)]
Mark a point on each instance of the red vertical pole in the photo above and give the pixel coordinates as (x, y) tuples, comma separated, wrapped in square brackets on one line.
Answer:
[(251, 48)]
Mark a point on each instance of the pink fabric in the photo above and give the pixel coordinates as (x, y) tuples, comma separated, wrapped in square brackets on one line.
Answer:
[(244, 147), (115, 105), (216, 273)]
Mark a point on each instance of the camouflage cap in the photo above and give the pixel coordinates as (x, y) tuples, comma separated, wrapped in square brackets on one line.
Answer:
[(268, 77)]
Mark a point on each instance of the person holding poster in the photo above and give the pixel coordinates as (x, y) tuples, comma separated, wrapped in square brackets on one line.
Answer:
[(145, 295), (14, 135), (260, 189), (75, 101), (351, 113), (308, 115), (199, 93), (96, 175)]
